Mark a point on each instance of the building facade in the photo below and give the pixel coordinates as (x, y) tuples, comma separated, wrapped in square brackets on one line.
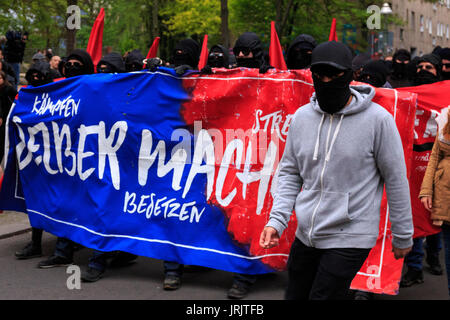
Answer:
[(426, 26)]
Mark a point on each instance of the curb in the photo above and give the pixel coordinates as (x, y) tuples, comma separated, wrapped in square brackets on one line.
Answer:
[(14, 233)]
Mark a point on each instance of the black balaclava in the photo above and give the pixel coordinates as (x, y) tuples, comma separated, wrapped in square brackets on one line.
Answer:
[(190, 53), (218, 57), (41, 69), (426, 77), (400, 70), (331, 58), (249, 41), (114, 63), (298, 56), (134, 61), (374, 73), (86, 68), (444, 53)]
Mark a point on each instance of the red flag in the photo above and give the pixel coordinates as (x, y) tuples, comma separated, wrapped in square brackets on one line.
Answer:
[(333, 33), (95, 44), (204, 54), (275, 51), (153, 52)]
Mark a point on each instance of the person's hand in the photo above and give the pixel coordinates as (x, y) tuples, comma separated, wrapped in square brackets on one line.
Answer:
[(264, 68), (400, 253), (153, 64), (269, 238), (181, 70), (427, 202), (438, 223), (206, 70)]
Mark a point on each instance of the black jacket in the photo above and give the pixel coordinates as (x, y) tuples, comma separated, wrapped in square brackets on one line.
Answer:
[(14, 48)]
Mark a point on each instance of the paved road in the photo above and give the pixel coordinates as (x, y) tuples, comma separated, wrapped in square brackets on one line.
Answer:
[(143, 280)]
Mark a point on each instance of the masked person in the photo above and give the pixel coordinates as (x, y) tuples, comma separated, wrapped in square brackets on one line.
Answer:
[(341, 151), (111, 63), (134, 61), (375, 73), (249, 53), (358, 63), (78, 63), (300, 51), (39, 74), (186, 56), (444, 53), (399, 76), (428, 71)]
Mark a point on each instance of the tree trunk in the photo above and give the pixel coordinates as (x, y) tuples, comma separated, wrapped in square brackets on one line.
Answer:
[(70, 34), (155, 21), (224, 26)]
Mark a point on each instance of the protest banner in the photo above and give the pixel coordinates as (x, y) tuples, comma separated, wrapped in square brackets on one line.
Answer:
[(180, 169)]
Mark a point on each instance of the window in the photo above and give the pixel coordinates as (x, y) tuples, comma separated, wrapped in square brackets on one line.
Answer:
[(413, 20), (448, 32), (422, 27)]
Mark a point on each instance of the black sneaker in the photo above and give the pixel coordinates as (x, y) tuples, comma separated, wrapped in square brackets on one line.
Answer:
[(172, 282), (238, 291), (30, 251), (363, 295), (92, 275), (411, 277), (55, 261), (435, 267)]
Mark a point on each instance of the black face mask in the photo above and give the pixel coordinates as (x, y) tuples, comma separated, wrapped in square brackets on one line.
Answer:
[(73, 71), (400, 70), (216, 60), (183, 59), (333, 96), (445, 75), (372, 80), (247, 62), (302, 60), (425, 77)]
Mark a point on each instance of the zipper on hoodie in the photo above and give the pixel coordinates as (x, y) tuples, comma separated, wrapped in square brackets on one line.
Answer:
[(327, 158)]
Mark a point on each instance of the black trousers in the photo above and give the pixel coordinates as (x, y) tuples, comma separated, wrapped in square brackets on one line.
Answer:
[(322, 274)]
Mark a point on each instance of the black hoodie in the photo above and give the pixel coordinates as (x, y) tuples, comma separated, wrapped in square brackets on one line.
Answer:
[(42, 68), (114, 62), (249, 40), (134, 61), (85, 58), (190, 53), (297, 56)]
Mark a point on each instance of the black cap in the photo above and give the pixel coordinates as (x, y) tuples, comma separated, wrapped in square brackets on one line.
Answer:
[(332, 53)]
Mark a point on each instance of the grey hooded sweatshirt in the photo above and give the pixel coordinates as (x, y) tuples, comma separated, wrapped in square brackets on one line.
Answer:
[(333, 172)]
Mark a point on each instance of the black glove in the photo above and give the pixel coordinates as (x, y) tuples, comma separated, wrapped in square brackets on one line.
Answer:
[(153, 64), (264, 68), (181, 70), (206, 70)]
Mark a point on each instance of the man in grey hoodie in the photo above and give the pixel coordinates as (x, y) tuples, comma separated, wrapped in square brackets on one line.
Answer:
[(342, 150)]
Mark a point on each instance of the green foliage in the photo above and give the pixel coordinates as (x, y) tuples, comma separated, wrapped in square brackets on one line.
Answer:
[(134, 24)]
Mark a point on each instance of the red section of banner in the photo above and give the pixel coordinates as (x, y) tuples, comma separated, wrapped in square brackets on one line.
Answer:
[(260, 107), (431, 99), (95, 44), (381, 272)]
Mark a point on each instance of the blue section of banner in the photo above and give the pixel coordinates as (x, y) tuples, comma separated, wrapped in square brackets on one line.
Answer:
[(82, 146)]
